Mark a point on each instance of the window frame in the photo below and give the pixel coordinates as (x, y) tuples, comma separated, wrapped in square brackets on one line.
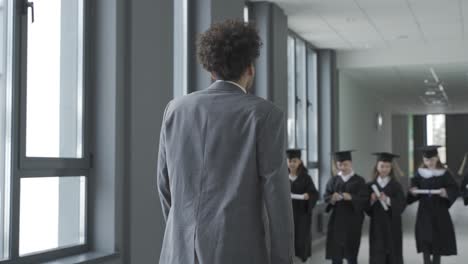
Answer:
[(309, 48), (37, 167)]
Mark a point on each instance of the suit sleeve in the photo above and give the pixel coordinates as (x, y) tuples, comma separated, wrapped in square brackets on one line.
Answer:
[(163, 185), (272, 169)]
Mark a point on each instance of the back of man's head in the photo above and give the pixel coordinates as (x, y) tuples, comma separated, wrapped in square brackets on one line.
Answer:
[(228, 48)]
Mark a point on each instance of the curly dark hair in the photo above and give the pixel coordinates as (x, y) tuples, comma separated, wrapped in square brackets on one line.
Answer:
[(228, 48)]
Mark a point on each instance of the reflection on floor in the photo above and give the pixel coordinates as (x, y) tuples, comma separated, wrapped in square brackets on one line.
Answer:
[(460, 218)]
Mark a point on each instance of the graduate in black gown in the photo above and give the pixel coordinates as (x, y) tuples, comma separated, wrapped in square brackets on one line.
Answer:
[(304, 197), (347, 197), (436, 190), (385, 234)]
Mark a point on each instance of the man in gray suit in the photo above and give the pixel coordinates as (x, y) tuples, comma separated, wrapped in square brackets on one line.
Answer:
[(222, 163)]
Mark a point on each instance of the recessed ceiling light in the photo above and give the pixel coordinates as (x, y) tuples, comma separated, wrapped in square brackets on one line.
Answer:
[(430, 92)]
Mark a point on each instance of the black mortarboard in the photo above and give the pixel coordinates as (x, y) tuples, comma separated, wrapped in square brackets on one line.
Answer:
[(385, 156), (343, 155), (430, 151), (293, 153)]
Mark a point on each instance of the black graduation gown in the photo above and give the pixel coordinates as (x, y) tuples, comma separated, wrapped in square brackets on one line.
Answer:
[(302, 211), (464, 190), (434, 230), (385, 234), (345, 222)]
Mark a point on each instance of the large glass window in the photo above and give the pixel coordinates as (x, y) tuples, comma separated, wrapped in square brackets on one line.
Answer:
[(181, 47), (312, 113), (291, 92), (303, 103), (301, 96), (52, 213), (246, 13), (54, 120), (436, 134), (5, 124), (43, 130)]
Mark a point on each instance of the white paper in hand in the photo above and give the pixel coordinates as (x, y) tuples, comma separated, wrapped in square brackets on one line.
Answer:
[(297, 196), (425, 191), (377, 193)]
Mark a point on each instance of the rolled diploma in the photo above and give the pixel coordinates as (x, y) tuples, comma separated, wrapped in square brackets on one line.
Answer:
[(425, 191), (377, 192), (297, 196)]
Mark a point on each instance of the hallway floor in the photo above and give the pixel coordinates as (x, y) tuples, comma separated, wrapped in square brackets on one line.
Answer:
[(460, 218)]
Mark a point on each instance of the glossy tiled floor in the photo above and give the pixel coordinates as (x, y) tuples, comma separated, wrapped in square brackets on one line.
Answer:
[(460, 218)]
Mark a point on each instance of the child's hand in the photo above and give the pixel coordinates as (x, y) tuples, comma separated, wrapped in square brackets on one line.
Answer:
[(443, 193), (383, 197), (336, 197), (412, 191), (373, 198), (347, 197)]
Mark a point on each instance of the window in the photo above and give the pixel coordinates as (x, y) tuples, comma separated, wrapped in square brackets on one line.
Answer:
[(5, 125), (436, 134), (181, 50), (303, 102), (43, 130), (291, 92), (312, 115), (246, 13), (301, 96), (411, 145)]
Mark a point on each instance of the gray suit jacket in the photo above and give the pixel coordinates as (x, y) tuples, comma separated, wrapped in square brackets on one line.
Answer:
[(221, 164)]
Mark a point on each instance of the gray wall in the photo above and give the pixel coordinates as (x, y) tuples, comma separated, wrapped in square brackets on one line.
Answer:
[(132, 85), (400, 144), (328, 91), (150, 90), (107, 88), (457, 139), (419, 137), (271, 81), (357, 124)]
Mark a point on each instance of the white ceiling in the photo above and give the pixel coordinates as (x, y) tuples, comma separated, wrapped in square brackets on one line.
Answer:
[(389, 45), (402, 86), (364, 24)]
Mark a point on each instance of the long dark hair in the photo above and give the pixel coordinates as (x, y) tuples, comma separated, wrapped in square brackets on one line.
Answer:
[(301, 170)]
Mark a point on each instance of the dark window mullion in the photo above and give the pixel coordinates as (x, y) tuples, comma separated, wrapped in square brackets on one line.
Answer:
[(47, 173), (54, 163), (19, 82)]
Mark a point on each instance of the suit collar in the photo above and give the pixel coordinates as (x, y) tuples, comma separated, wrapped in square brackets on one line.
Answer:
[(227, 86)]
